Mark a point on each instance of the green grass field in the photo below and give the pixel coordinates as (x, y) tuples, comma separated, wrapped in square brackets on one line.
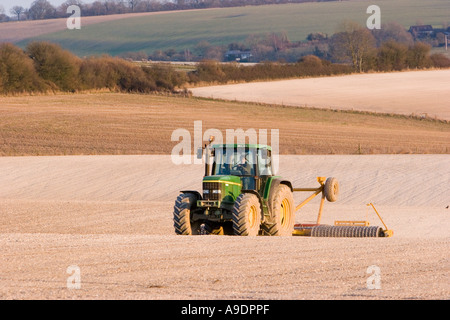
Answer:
[(182, 30)]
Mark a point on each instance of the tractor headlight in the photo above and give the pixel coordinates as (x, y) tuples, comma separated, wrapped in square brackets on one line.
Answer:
[(205, 191), (216, 191)]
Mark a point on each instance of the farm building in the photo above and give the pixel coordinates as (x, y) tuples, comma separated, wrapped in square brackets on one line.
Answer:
[(238, 55), (421, 31)]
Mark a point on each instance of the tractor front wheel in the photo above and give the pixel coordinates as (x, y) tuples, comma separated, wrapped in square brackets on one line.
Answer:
[(246, 215), (182, 215)]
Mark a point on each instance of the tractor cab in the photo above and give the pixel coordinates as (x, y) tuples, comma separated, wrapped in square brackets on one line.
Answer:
[(251, 164)]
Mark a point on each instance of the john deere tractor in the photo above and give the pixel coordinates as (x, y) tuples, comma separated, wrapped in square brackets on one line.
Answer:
[(240, 195)]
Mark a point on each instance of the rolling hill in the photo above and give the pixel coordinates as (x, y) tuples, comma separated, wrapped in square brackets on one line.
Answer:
[(184, 29)]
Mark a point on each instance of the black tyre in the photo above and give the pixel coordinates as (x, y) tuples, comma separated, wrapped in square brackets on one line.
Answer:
[(246, 215), (182, 215), (331, 189), (283, 217)]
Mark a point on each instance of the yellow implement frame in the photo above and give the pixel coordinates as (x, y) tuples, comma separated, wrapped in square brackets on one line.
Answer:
[(387, 232), (316, 191), (352, 223)]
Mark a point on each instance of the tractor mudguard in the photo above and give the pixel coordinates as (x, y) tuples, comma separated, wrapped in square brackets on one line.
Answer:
[(196, 193)]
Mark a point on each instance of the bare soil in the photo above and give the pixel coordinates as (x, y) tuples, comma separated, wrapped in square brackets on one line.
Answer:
[(111, 216), (112, 123), (422, 93)]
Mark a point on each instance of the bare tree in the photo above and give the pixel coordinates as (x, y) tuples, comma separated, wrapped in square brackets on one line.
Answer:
[(3, 16), (133, 4), (354, 43), (17, 10), (114, 6), (41, 9), (392, 32)]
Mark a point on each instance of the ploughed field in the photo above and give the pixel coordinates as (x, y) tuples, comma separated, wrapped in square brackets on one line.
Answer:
[(419, 93), (113, 123), (111, 217)]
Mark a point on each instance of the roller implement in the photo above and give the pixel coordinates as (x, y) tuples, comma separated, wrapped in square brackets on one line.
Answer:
[(241, 196), (358, 229)]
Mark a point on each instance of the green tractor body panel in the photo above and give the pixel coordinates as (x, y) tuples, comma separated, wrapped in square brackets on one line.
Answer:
[(220, 191)]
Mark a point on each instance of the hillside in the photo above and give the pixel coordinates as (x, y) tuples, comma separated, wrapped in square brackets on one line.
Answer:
[(15, 32), (185, 29)]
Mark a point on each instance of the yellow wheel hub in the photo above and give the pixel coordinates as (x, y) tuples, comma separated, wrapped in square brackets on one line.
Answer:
[(252, 216)]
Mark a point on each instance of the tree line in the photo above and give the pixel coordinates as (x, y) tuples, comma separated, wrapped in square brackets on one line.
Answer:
[(390, 48), (46, 67), (43, 9)]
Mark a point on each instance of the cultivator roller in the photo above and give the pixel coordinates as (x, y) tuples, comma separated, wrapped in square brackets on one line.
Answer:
[(346, 231), (353, 229)]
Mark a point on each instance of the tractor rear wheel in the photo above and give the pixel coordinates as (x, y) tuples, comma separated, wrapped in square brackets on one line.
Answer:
[(182, 215), (246, 215), (283, 218)]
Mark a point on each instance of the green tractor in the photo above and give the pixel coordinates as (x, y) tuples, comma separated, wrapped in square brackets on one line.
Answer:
[(241, 196)]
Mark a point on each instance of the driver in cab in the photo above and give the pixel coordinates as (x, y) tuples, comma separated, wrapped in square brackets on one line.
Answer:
[(244, 167)]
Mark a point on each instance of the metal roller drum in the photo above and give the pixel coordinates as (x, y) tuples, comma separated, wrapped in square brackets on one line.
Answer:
[(347, 231)]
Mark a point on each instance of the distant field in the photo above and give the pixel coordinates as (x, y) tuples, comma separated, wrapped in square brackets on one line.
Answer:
[(181, 30), (411, 92), (109, 123), (15, 32)]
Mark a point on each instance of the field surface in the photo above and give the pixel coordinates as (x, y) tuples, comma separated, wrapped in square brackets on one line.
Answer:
[(100, 198), (185, 29), (111, 216), (422, 93), (111, 123)]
